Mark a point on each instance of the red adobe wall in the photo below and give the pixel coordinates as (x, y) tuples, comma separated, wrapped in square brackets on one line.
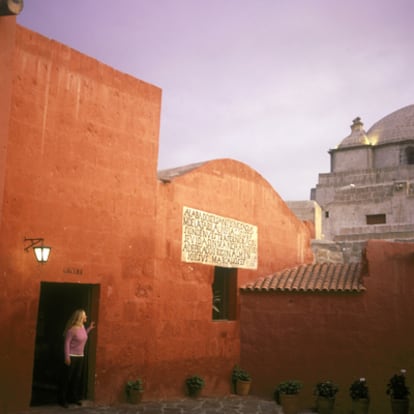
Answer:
[(80, 171), (7, 38), (340, 337), (188, 340)]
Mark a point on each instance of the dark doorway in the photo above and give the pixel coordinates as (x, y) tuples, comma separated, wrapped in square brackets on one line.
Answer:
[(56, 303)]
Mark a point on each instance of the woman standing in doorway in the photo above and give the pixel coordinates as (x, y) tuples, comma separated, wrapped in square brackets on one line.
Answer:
[(76, 336)]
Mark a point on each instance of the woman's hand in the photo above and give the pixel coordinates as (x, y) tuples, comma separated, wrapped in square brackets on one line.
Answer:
[(67, 361), (92, 325)]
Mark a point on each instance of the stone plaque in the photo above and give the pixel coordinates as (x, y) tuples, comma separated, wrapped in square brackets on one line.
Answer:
[(219, 241)]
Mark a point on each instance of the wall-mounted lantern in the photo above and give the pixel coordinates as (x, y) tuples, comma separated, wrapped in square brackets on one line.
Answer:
[(10, 7), (40, 251)]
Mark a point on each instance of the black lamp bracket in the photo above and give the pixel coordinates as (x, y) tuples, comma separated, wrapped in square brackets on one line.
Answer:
[(33, 242)]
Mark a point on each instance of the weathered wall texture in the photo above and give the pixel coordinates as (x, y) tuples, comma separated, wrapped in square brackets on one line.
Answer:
[(7, 41), (343, 161), (341, 337), (309, 212), (348, 205), (184, 290), (80, 171)]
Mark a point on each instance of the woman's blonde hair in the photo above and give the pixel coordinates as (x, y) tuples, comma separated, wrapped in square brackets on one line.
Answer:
[(75, 319)]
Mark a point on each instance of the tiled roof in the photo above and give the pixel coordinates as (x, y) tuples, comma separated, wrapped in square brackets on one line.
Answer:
[(320, 277)]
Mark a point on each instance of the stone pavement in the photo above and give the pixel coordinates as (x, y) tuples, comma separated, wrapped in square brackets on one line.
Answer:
[(232, 404)]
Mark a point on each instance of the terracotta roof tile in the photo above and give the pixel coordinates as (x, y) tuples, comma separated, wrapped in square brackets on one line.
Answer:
[(320, 277)]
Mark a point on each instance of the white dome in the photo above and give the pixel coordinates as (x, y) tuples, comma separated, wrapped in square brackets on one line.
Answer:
[(397, 126)]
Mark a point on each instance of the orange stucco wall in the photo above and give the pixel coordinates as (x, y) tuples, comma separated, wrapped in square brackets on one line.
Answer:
[(81, 171), (342, 337), (79, 146), (7, 40), (196, 343)]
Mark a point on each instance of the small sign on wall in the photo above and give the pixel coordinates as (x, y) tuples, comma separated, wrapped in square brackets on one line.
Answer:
[(215, 240), (73, 270)]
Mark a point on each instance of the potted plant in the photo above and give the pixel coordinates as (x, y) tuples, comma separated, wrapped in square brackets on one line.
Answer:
[(359, 394), (241, 380), (287, 395), (194, 385), (399, 392), (325, 392), (134, 390)]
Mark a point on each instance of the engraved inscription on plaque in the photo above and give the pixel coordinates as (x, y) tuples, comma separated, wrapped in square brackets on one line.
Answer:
[(215, 240)]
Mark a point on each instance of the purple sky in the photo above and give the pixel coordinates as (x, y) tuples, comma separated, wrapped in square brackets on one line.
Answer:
[(272, 83)]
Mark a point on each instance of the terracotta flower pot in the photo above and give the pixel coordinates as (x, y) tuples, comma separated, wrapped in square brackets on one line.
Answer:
[(194, 393), (134, 396), (243, 387), (400, 406), (289, 403), (360, 406), (325, 405)]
